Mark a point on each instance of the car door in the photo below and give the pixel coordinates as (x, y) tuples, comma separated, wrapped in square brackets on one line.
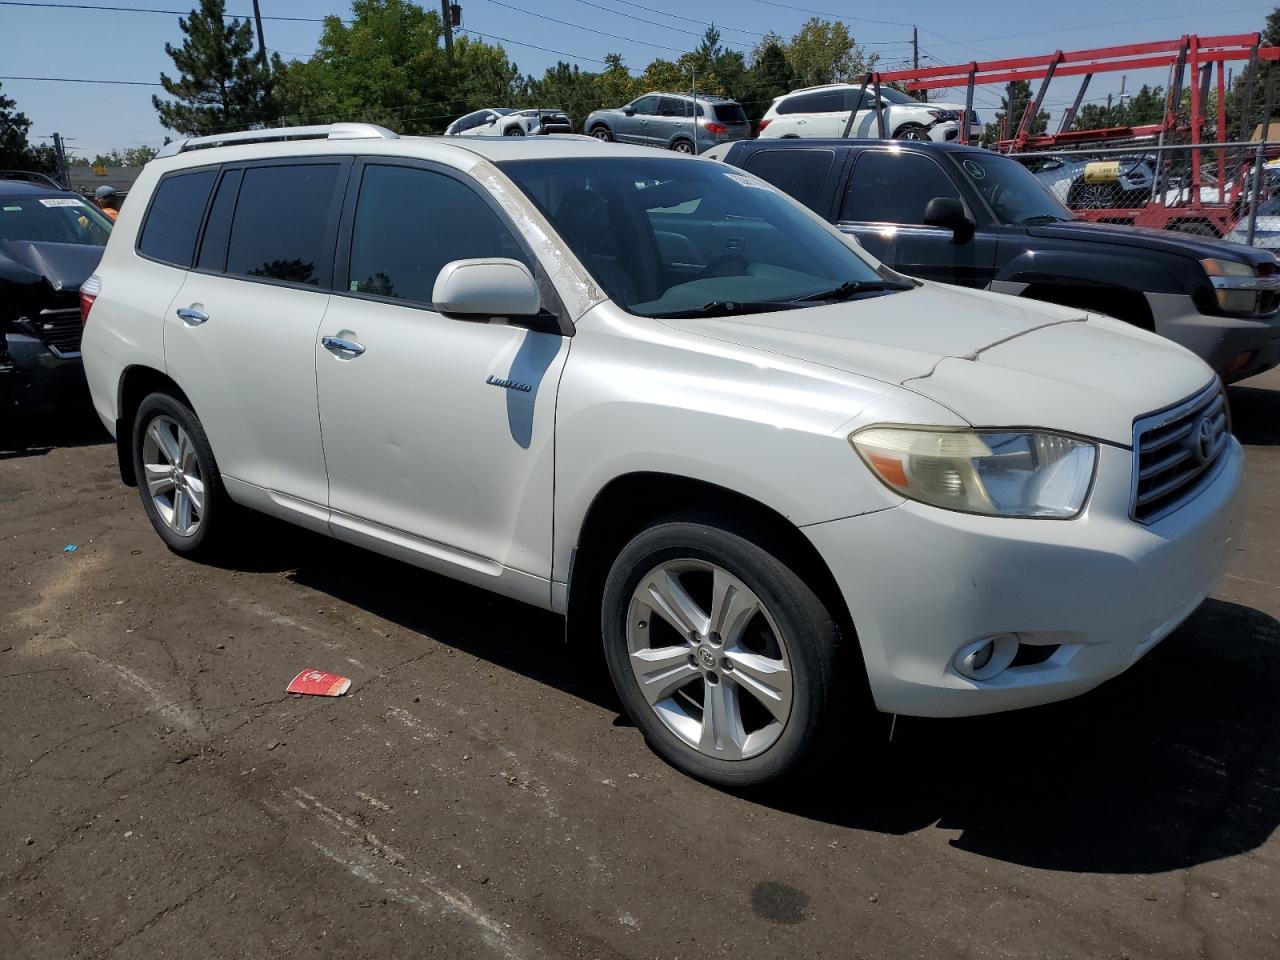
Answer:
[(830, 113), (883, 206), (635, 128), (241, 340), (674, 117), (437, 430)]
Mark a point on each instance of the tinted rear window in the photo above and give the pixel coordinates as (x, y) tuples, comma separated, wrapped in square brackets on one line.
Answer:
[(172, 223), (280, 227), (800, 173), (730, 113), (826, 101)]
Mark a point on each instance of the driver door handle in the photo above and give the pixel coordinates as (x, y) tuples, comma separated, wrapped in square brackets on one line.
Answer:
[(191, 316), (338, 346)]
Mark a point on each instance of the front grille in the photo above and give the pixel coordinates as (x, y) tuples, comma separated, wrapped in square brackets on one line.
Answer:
[(61, 330), (1175, 452)]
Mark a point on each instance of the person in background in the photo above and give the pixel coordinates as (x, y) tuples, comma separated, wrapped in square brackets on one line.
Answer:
[(108, 201)]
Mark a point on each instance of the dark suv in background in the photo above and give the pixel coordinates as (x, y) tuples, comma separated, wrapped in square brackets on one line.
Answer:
[(50, 242), (968, 216)]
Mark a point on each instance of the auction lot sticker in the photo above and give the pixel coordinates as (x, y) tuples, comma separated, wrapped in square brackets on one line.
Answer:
[(61, 202)]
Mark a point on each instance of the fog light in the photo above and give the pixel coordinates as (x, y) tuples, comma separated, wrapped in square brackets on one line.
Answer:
[(983, 659)]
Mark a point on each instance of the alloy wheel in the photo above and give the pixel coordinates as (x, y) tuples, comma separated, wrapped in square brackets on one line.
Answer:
[(708, 659), (173, 477), (682, 146), (601, 134)]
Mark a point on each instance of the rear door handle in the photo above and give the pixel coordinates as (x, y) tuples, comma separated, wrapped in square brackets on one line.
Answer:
[(191, 316), (338, 346)]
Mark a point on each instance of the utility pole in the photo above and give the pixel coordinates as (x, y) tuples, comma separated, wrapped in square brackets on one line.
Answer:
[(262, 44), (61, 156), (447, 15), (915, 60)]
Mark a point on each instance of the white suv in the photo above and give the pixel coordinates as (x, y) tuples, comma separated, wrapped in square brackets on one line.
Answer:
[(776, 481), (824, 111)]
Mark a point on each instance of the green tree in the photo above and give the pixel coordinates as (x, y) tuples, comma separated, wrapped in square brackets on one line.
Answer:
[(1260, 85), (614, 85), (575, 91), (1014, 103), (222, 84), (824, 51), (770, 76), (16, 153)]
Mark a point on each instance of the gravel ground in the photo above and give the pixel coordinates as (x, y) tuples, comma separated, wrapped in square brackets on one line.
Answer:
[(477, 795)]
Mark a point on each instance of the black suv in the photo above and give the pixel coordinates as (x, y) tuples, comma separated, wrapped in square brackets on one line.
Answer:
[(972, 217), (50, 242)]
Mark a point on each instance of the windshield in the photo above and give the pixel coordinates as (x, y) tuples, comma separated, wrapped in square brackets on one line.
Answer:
[(53, 220), (893, 96), (665, 235), (1012, 191)]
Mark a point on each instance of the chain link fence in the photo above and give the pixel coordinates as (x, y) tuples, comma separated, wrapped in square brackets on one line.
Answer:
[(1207, 190)]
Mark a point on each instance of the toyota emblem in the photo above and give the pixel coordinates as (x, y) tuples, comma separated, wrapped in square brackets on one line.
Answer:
[(1204, 440)]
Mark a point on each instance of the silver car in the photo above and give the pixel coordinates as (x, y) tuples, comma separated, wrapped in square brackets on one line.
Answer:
[(675, 121)]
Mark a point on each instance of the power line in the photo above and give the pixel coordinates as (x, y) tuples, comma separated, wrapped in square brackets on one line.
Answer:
[(665, 13), (175, 13), (125, 83), (578, 26)]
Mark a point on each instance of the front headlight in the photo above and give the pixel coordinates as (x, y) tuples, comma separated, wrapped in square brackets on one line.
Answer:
[(943, 114), (995, 472), (1227, 277)]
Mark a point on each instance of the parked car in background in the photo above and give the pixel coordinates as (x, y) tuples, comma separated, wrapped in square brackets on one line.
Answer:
[(675, 121), (50, 241), (777, 484), (1098, 183), (971, 217), (508, 122), (824, 111)]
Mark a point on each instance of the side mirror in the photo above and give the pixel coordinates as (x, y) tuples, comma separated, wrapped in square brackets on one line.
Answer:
[(949, 213), (491, 121), (486, 287), (629, 111)]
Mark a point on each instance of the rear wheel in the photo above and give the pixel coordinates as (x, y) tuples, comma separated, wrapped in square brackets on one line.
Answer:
[(722, 656), (178, 480), (682, 146), (601, 133), (1196, 228)]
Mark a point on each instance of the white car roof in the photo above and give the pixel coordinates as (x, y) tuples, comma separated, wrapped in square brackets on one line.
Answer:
[(454, 151)]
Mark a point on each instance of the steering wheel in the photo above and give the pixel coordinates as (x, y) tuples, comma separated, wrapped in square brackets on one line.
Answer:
[(716, 268)]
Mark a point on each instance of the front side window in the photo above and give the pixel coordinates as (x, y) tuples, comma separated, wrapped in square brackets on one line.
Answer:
[(891, 187), (1014, 194), (798, 173), (169, 232), (280, 226), (664, 236), (410, 222), (53, 220)]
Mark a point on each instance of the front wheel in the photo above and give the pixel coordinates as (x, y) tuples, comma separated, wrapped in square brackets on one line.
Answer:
[(722, 656), (514, 132), (178, 480), (602, 134)]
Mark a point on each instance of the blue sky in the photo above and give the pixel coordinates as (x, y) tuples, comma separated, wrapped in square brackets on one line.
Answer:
[(130, 46)]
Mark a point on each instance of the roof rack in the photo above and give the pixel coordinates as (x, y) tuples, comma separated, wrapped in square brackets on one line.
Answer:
[(329, 131), (31, 176)]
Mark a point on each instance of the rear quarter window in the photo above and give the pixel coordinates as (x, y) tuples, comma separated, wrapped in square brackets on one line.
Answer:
[(173, 220), (800, 173)]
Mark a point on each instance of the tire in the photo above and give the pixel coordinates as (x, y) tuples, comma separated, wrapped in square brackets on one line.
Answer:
[(513, 132), (601, 133), (912, 131), (682, 146), (792, 640), (1093, 196), (211, 513), (1195, 228)]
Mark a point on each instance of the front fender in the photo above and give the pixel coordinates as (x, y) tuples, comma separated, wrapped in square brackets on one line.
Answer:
[(1106, 267)]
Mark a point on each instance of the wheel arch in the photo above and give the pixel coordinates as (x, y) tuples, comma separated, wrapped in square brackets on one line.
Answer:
[(136, 383), (633, 501)]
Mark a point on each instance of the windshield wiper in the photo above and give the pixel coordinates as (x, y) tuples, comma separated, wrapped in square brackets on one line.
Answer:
[(729, 308), (1042, 218), (851, 287)]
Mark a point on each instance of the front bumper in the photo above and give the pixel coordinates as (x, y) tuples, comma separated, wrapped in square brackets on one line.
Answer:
[(921, 582), (35, 377), (1222, 342), (948, 131)]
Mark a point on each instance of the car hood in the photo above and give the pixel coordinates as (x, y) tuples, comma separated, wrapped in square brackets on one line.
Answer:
[(63, 265), (992, 360), (1144, 238)]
